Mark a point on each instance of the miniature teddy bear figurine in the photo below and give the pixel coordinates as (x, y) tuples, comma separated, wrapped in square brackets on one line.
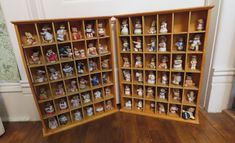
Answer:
[(49, 109), (138, 62), (105, 64), (47, 37), (61, 33), (105, 78), (164, 78), (176, 94), (161, 108), (68, 70), (98, 94), (127, 75), (139, 76), (101, 29), (60, 90), (193, 63), (30, 40), (65, 52), (83, 83), (152, 64), (200, 24), (150, 92), (162, 93), (174, 109), (92, 66), (163, 28), (77, 116), (162, 44), (163, 64), (54, 74), (191, 96), (127, 90), (51, 56), (152, 45), (63, 104), (177, 78), (76, 34), (189, 81), (109, 105), (107, 91), (86, 98), (152, 29), (89, 111), (195, 43), (140, 105), (124, 27), (128, 104), (73, 86), (178, 62), (63, 119), (137, 27), (103, 49), (95, 80), (35, 58), (151, 78), (52, 123), (125, 45), (99, 108), (126, 63), (80, 67), (188, 114), (180, 44), (90, 32), (79, 53), (40, 76), (91, 51), (75, 101), (42, 93), (140, 91), (137, 45)]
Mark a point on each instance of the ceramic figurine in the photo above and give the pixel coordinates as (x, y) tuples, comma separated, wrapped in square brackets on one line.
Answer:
[(98, 94), (80, 67), (68, 70), (152, 64), (73, 86), (92, 66), (54, 74), (105, 78), (152, 29), (51, 56), (188, 114), (152, 45), (150, 92), (140, 105), (127, 90), (75, 101), (163, 28), (189, 81), (125, 45), (103, 49), (79, 53), (137, 27), (124, 27), (161, 108), (99, 108), (91, 51), (174, 109), (63, 119), (47, 37), (191, 96), (176, 94), (109, 105), (177, 78), (127, 75), (52, 123), (107, 91), (151, 78), (42, 93), (138, 62), (83, 83), (30, 40), (63, 104), (65, 52), (126, 63), (60, 90), (178, 62), (162, 93), (162, 44), (180, 44), (128, 104), (90, 32), (138, 45), (140, 91), (193, 63), (195, 43), (76, 34), (61, 33), (95, 80), (49, 109), (105, 64), (101, 29), (152, 106), (77, 116), (40, 76), (200, 24), (89, 111), (35, 57), (86, 97), (163, 64), (139, 76), (164, 79)]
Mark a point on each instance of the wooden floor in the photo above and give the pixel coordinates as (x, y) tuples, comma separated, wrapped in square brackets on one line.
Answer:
[(128, 128)]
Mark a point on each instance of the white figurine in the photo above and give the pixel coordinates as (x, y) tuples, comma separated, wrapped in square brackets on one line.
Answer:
[(162, 44), (138, 45), (161, 108), (188, 114), (189, 81), (101, 29), (68, 70), (86, 98), (164, 78), (90, 32), (174, 109), (99, 108), (140, 91), (180, 44), (49, 109), (73, 86), (151, 78), (138, 62), (128, 104), (195, 43), (191, 96), (124, 27), (91, 50), (59, 90), (63, 119), (98, 94), (137, 27), (63, 104), (193, 63), (47, 37), (126, 63), (140, 105), (52, 123), (176, 94), (152, 64), (125, 45), (61, 33), (127, 90), (54, 74), (162, 93), (77, 116), (40, 76), (139, 76), (152, 45), (163, 28), (79, 53), (178, 62), (75, 101), (163, 64), (89, 111), (150, 92), (200, 24), (177, 78), (152, 29), (103, 49), (127, 75)]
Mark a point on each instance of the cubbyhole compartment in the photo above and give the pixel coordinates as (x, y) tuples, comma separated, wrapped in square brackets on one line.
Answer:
[(196, 42), (163, 62), (138, 76), (47, 109), (127, 103), (51, 123), (162, 108), (75, 101), (176, 95), (92, 48), (138, 91), (178, 62), (174, 110), (28, 35), (90, 29), (104, 46), (107, 78), (99, 108), (126, 90), (77, 115), (126, 76), (162, 94), (109, 105), (137, 61), (84, 83), (150, 24), (94, 65), (179, 43), (86, 98), (165, 23), (62, 105), (46, 33), (163, 78), (81, 66), (177, 79), (150, 44), (124, 26), (190, 97), (137, 44), (194, 62), (62, 31), (96, 80), (150, 61), (109, 91), (88, 111), (125, 62), (125, 44), (65, 52), (64, 119), (192, 80), (50, 54), (38, 74), (77, 31), (150, 92), (68, 69), (106, 62), (188, 113), (195, 16), (181, 20), (103, 28), (58, 89), (138, 105), (33, 56), (43, 92), (98, 94), (136, 25), (150, 107), (71, 85), (150, 77), (54, 72), (164, 43), (79, 50)]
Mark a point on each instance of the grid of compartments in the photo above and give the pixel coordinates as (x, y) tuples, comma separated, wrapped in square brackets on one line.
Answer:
[(160, 62), (70, 67)]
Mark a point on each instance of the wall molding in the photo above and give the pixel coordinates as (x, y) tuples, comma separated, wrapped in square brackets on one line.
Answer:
[(22, 87), (223, 71)]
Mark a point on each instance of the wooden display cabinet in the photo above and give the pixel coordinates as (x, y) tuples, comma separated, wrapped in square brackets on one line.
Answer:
[(181, 28)]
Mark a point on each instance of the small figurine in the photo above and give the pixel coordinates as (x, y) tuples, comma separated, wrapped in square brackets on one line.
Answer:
[(99, 108), (51, 56), (188, 114), (68, 70), (139, 76), (89, 111), (163, 64), (176, 94), (65, 52), (200, 24), (40, 76), (75, 101), (127, 90), (152, 45), (177, 78), (109, 105), (83, 83), (127, 75), (189, 81), (86, 97), (126, 63), (101, 29), (49, 109), (174, 109), (61, 33), (92, 66), (42, 93), (124, 27), (95, 80), (180, 44), (63, 104), (91, 51), (140, 91), (150, 92), (152, 64), (107, 91), (195, 43), (52, 123), (137, 27), (80, 67), (151, 78), (76, 34), (77, 116), (73, 86), (161, 108), (60, 90), (47, 37), (105, 64), (163, 28), (162, 93), (178, 62), (128, 104), (105, 78), (140, 105), (54, 74), (79, 53), (164, 78), (30, 40), (125, 45), (35, 57), (162, 44), (98, 94), (191, 96), (138, 62), (103, 49), (152, 29), (138, 45), (193, 63), (90, 32), (63, 119)]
